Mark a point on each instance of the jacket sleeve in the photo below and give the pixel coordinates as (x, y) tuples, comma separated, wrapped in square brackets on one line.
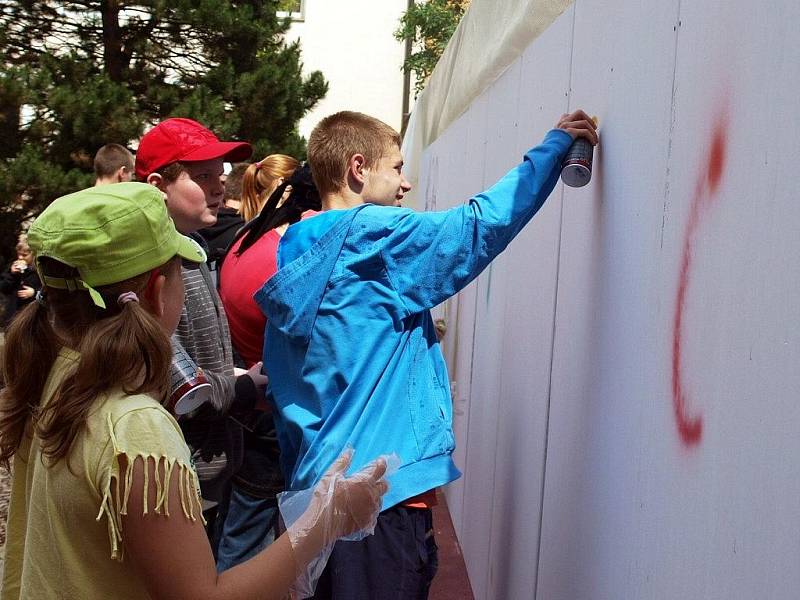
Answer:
[(222, 390), (429, 256), (34, 281), (9, 281), (222, 382)]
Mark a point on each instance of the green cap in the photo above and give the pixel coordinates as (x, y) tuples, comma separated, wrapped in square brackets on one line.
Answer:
[(109, 233)]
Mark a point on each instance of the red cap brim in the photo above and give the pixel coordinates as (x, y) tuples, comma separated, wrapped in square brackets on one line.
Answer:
[(229, 151)]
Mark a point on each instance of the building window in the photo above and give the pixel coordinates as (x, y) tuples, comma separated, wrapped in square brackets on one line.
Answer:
[(292, 8)]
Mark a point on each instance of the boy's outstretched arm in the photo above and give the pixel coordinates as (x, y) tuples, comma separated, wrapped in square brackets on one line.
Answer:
[(431, 256)]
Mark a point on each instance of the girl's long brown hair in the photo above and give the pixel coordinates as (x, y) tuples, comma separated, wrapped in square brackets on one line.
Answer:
[(260, 180), (121, 347)]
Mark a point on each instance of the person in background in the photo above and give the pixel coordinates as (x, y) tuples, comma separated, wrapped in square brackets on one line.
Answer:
[(252, 512), (184, 160), (252, 258), (261, 179), (104, 500), (113, 163), (19, 283), (219, 236), (233, 186)]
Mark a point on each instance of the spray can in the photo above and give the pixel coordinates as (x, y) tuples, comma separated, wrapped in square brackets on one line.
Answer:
[(576, 170), (189, 387)]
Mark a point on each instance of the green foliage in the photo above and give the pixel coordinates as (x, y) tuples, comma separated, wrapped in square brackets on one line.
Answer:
[(429, 25), (80, 74), (289, 5)]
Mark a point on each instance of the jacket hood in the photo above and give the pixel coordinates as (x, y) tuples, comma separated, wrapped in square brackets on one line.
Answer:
[(219, 236), (291, 298)]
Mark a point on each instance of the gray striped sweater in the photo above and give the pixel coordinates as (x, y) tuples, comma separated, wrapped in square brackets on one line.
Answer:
[(215, 440)]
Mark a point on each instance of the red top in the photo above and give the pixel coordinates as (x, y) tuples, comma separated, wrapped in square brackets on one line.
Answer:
[(240, 278)]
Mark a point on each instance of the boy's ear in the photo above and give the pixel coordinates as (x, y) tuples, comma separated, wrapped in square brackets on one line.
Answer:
[(356, 168), (157, 180), (122, 175)]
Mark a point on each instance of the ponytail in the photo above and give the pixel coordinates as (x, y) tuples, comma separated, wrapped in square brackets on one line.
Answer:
[(31, 348), (261, 178), (250, 201), (127, 351), (303, 196), (121, 347)]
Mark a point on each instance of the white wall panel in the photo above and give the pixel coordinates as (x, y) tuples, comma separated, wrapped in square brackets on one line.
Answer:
[(447, 183), (607, 375), (487, 360), (472, 168), (527, 336), (626, 374)]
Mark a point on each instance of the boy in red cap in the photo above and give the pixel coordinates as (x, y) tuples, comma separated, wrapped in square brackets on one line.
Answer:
[(185, 161)]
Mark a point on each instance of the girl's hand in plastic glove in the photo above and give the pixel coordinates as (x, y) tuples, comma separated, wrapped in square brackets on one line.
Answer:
[(356, 499), (340, 505)]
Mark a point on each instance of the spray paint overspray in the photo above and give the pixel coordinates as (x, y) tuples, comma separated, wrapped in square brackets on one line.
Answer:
[(690, 428)]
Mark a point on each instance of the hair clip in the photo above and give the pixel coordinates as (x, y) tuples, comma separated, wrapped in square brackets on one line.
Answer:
[(40, 299), (126, 297)]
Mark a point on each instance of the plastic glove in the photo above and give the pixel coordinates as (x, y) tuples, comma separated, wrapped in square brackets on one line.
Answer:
[(339, 506), (342, 505)]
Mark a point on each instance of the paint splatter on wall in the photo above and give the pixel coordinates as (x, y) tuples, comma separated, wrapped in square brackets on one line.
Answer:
[(690, 427)]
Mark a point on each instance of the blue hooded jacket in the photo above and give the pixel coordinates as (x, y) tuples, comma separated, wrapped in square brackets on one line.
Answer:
[(350, 347)]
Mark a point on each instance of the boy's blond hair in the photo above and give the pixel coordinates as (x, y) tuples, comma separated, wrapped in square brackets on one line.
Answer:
[(337, 138)]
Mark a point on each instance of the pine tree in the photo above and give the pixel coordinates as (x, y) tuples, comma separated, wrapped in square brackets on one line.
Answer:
[(77, 75)]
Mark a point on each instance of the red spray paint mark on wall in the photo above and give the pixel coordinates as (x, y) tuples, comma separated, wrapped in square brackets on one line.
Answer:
[(690, 428)]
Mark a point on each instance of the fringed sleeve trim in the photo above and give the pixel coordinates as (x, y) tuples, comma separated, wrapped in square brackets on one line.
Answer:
[(114, 507)]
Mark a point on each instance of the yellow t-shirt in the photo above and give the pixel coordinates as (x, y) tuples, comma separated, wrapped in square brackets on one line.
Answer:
[(64, 534)]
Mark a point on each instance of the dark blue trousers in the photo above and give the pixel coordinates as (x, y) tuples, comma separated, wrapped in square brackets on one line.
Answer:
[(398, 562)]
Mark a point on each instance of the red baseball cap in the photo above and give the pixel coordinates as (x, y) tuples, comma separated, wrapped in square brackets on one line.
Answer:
[(186, 141)]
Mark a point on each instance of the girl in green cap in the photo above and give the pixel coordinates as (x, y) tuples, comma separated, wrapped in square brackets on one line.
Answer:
[(104, 498)]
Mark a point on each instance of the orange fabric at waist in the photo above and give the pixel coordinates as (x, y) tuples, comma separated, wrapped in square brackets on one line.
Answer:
[(423, 500)]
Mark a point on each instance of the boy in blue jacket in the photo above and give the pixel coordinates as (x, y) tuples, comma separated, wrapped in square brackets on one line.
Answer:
[(350, 345)]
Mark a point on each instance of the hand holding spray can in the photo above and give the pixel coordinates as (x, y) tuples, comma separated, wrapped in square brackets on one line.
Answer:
[(576, 170)]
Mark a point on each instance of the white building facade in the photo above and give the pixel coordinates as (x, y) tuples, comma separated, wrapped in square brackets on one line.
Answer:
[(352, 42)]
